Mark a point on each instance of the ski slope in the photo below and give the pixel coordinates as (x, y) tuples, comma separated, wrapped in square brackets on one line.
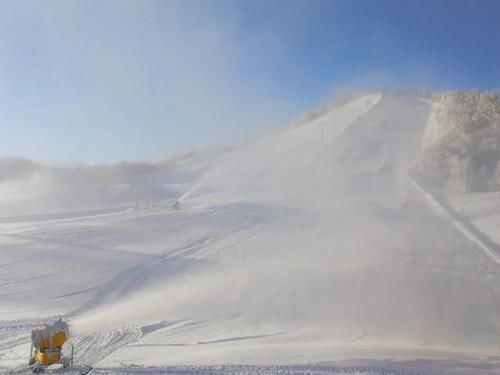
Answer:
[(481, 209), (306, 245)]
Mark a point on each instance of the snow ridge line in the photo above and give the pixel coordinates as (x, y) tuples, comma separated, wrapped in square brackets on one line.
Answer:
[(440, 205)]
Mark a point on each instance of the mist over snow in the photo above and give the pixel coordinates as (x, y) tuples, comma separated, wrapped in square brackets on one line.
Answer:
[(248, 187), (31, 188), (312, 242), (462, 142)]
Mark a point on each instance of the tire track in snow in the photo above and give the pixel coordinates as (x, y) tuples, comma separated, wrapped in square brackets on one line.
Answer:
[(90, 349), (133, 277), (264, 370)]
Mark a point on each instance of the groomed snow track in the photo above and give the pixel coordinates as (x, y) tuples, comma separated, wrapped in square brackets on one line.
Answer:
[(261, 370)]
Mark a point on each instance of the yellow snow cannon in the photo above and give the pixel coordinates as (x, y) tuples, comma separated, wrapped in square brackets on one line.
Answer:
[(46, 346)]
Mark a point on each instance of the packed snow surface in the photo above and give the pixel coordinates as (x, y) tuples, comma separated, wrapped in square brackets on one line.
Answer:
[(306, 245), (481, 209)]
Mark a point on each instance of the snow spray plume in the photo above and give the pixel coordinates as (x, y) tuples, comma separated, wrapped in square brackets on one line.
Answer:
[(340, 253)]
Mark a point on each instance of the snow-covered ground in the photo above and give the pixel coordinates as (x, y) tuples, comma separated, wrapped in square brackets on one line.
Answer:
[(305, 246), (481, 209)]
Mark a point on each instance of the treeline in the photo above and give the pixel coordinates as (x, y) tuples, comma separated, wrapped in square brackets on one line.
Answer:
[(465, 157)]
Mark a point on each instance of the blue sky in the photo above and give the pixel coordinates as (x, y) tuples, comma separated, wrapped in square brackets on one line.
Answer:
[(103, 81)]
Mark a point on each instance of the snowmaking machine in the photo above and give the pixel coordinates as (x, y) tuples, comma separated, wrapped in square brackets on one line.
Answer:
[(46, 347)]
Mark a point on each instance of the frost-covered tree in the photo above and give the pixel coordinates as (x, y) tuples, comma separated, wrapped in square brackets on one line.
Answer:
[(467, 154)]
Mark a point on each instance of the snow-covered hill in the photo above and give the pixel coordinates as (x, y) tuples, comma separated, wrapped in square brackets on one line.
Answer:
[(308, 244)]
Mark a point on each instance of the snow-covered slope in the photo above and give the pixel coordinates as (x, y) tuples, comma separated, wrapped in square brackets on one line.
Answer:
[(305, 245), (460, 159), (481, 209)]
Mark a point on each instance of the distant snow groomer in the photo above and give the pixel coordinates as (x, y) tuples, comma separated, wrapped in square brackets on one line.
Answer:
[(46, 346)]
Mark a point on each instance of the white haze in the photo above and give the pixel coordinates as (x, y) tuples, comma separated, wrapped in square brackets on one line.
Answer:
[(336, 257), (99, 92), (308, 235)]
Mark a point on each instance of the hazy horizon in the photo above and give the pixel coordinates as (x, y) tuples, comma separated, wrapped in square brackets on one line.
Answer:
[(92, 82)]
